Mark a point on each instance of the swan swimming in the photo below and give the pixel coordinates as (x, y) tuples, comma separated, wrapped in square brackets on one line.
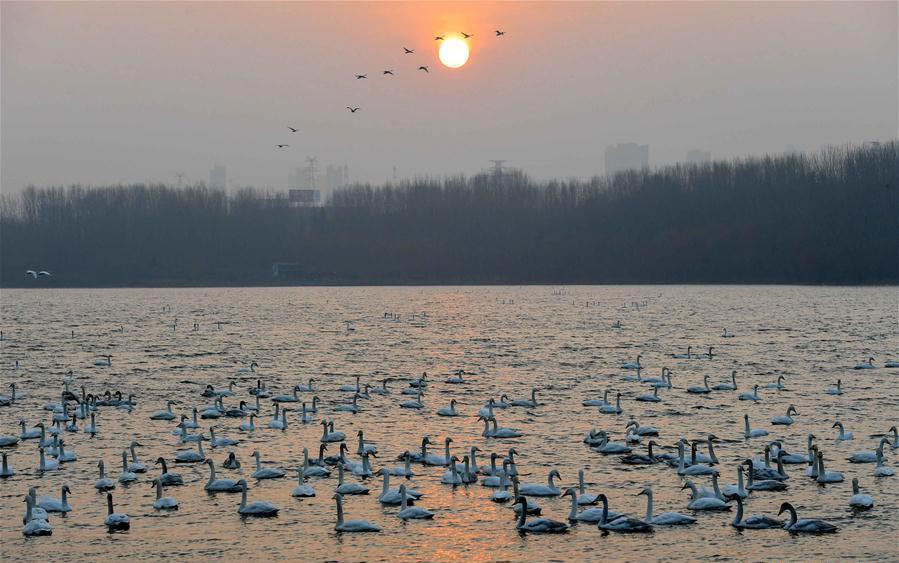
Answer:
[(303, 489), (538, 526), (411, 513), (265, 472), (665, 518), (786, 419), (220, 485), (622, 524), (837, 389), (843, 435), (806, 525), (161, 502), (753, 522), (593, 515), (537, 490), (633, 365), (754, 396), (256, 508), (34, 526), (859, 501), (732, 386), (351, 525), (750, 433), (115, 520), (701, 390), (51, 504)]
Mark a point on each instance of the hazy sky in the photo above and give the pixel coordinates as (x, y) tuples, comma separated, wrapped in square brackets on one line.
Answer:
[(119, 92)]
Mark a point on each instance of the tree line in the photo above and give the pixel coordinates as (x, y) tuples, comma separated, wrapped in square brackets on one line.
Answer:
[(826, 217)]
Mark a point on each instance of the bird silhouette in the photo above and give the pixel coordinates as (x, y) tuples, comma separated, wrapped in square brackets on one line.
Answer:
[(31, 273), (281, 146), (352, 110), (438, 38), (358, 76), (467, 35), (408, 51), (498, 32), (292, 130), (424, 68), (390, 72)]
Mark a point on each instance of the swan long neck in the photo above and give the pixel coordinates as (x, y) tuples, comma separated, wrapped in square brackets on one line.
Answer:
[(522, 516), (386, 486), (243, 496), (746, 425), (712, 455), (572, 515), (211, 472), (109, 507), (339, 511), (28, 504), (158, 491), (739, 517), (792, 515), (649, 506), (580, 482)]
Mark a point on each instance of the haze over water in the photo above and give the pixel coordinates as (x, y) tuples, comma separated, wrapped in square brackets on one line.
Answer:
[(512, 339)]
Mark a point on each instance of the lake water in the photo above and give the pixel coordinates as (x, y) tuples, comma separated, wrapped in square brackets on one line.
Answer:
[(557, 340)]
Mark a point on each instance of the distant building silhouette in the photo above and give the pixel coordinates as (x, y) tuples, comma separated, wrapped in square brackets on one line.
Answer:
[(696, 156), (218, 177), (626, 156)]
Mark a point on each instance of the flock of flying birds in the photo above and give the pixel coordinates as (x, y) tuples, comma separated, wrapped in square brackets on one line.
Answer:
[(390, 72), (84, 411)]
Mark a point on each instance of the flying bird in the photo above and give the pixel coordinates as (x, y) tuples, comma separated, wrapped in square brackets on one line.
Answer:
[(44, 273), (438, 38), (424, 68), (282, 146), (408, 51), (390, 72), (358, 76), (467, 35), (498, 32), (352, 110), (31, 273), (292, 129)]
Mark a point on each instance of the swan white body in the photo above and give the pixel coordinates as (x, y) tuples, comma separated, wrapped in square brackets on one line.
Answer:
[(351, 525)]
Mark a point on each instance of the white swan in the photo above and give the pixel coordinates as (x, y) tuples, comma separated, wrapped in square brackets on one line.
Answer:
[(303, 489), (34, 526), (687, 356), (868, 457), (448, 411), (537, 490), (786, 419), (825, 476), (103, 483), (265, 472), (191, 456), (255, 508), (665, 518), (732, 386), (592, 515), (126, 476), (583, 496), (351, 525), (161, 502), (859, 501), (593, 402), (249, 426), (5, 470), (168, 478), (695, 469), (27, 434), (762, 484), (699, 502), (869, 364), (47, 464), (633, 365), (622, 524), (350, 407), (612, 409), (753, 522), (392, 496), (434, 459), (538, 526), (880, 471), (51, 504), (306, 388), (843, 435), (754, 396), (220, 485), (806, 525), (701, 390), (348, 488), (404, 470), (607, 447), (164, 414), (452, 475), (779, 384), (352, 388), (532, 402), (275, 422), (837, 389), (222, 442), (649, 397), (750, 433), (115, 520), (411, 512)]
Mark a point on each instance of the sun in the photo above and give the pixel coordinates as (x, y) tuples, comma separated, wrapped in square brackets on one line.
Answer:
[(453, 52)]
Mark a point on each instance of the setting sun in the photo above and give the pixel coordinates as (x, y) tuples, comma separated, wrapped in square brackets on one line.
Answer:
[(453, 52)]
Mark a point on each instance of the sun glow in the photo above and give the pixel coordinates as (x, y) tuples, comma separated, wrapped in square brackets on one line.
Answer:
[(453, 52)]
